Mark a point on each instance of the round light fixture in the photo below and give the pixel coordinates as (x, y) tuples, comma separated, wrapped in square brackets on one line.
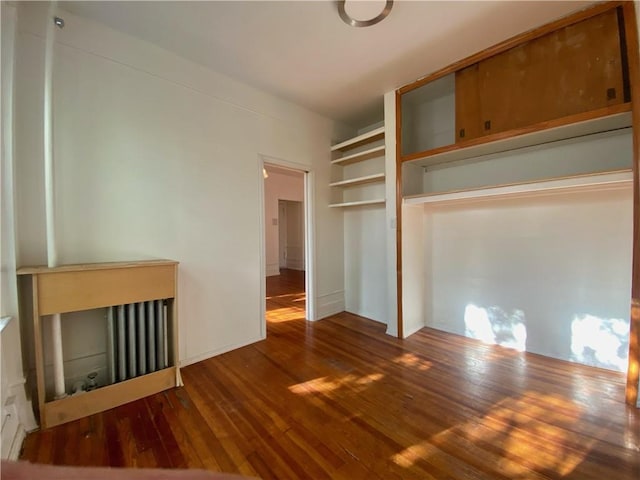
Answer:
[(364, 13)]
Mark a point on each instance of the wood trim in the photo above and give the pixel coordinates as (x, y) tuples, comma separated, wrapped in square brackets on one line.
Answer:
[(513, 42), (631, 37), (75, 290), (95, 401), (38, 347), (538, 127), (399, 212), (92, 266)]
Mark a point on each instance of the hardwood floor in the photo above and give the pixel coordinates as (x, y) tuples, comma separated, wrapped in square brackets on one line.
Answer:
[(340, 399)]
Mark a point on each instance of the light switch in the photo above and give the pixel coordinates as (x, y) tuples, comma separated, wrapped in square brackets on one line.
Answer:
[(274, 221)]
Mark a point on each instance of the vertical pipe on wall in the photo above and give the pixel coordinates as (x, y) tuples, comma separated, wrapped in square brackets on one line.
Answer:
[(52, 253)]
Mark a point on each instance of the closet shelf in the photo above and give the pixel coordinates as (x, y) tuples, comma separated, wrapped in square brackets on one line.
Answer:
[(377, 201), (378, 177), (588, 182), (360, 156), (603, 120), (354, 142)]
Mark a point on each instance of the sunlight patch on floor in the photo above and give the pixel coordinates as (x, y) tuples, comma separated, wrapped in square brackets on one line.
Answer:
[(494, 325), (413, 361), (290, 297), (529, 431), (601, 342), (327, 385), (285, 314)]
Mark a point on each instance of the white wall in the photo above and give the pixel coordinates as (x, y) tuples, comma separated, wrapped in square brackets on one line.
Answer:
[(606, 151), (158, 157), (558, 264), (15, 412), (365, 262), (278, 186)]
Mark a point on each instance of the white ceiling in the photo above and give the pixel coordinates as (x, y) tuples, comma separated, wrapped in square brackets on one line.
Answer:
[(303, 52)]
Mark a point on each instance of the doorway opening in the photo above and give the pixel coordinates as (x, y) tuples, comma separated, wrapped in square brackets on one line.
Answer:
[(287, 244)]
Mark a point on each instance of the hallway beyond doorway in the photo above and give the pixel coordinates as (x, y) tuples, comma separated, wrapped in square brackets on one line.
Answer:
[(286, 299)]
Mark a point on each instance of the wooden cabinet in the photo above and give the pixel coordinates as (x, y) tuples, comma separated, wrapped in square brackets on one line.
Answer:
[(468, 103), (569, 71), (73, 288), (572, 73), (554, 109)]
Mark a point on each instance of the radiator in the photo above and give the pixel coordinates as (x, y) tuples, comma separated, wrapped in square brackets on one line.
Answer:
[(137, 339)]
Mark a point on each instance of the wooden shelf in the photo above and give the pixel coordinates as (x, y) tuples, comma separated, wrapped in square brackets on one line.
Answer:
[(378, 177), (354, 142), (359, 157), (587, 182), (78, 267), (377, 201), (607, 119)]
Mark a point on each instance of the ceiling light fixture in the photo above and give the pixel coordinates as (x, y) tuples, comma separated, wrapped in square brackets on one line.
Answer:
[(363, 13)]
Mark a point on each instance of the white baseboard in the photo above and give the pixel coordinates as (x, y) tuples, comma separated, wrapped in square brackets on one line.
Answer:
[(219, 351), (329, 304), (411, 330)]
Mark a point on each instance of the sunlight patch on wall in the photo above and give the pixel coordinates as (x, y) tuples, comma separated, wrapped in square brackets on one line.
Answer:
[(494, 325), (600, 342)]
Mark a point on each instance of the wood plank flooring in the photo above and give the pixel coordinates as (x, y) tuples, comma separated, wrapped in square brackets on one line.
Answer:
[(340, 399)]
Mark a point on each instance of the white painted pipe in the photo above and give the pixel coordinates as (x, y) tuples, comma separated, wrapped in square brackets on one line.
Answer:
[(52, 252)]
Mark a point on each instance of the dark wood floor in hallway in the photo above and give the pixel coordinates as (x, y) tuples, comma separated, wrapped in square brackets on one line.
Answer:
[(340, 399)]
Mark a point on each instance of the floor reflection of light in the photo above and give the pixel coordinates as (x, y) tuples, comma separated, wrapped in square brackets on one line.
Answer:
[(412, 360), (601, 342), (327, 385), (284, 314), (524, 429), (494, 325)]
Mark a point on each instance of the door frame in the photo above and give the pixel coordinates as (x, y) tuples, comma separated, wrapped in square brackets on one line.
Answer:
[(309, 236)]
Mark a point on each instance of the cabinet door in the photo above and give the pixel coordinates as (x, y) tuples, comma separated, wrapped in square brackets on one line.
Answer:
[(572, 70), (468, 116)]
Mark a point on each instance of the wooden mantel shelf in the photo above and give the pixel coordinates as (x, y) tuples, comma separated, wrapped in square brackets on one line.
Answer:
[(78, 267)]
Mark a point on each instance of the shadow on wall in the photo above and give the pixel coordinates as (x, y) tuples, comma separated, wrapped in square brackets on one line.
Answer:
[(600, 342), (494, 325)]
